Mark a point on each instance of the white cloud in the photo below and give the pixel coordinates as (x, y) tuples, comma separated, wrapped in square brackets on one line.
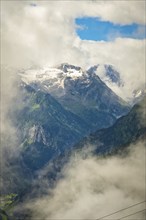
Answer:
[(93, 187), (45, 35), (128, 57)]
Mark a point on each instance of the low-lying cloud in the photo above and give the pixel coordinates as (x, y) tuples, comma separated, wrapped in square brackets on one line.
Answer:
[(94, 187)]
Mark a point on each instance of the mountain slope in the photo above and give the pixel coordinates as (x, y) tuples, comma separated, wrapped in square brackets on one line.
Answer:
[(125, 131), (45, 127), (80, 92)]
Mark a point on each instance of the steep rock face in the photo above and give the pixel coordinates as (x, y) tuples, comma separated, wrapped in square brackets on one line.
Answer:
[(37, 134), (126, 130), (94, 93), (93, 101), (45, 127)]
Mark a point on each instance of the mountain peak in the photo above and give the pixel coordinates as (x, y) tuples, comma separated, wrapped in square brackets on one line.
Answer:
[(113, 75), (68, 67), (107, 73)]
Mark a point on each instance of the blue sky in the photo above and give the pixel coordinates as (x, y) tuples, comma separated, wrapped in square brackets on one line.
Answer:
[(89, 28)]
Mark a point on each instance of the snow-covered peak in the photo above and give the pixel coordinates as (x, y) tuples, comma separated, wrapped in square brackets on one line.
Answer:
[(107, 73), (59, 80), (63, 71), (52, 79)]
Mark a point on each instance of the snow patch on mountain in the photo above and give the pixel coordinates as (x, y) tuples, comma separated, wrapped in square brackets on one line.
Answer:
[(55, 79), (57, 76), (138, 95), (37, 134), (53, 76)]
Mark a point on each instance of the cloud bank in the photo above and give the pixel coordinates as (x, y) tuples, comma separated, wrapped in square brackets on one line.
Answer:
[(94, 187), (44, 34)]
